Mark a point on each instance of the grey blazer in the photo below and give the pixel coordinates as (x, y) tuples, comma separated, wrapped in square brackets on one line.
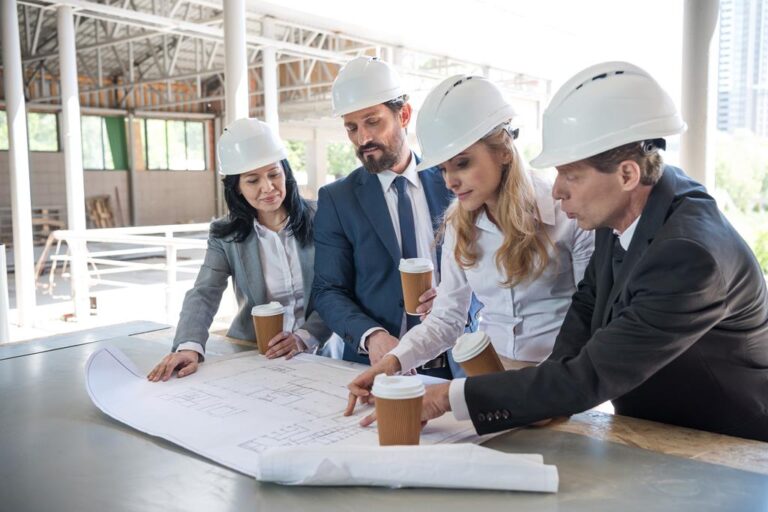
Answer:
[(240, 260)]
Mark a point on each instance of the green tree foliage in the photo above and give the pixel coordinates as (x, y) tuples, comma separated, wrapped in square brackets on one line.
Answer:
[(760, 246), (741, 171), (341, 159), (297, 155)]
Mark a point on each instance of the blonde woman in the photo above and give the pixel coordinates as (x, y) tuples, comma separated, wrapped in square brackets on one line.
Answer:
[(506, 238)]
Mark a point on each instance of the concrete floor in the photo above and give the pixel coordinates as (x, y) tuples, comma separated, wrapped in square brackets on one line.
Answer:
[(143, 297)]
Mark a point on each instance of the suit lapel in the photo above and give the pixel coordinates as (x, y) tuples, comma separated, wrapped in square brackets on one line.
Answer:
[(306, 260), (250, 260), (371, 197), (653, 217)]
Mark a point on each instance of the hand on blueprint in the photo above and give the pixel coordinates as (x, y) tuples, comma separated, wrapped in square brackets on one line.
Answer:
[(284, 344), (379, 344), (434, 404), (360, 387), (185, 361), (426, 299)]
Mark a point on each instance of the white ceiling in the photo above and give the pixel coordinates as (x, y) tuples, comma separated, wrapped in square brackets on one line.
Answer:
[(547, 38)]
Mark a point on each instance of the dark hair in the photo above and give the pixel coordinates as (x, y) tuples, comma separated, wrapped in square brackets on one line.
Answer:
[(241, 214), (644, 153), (395, 105)]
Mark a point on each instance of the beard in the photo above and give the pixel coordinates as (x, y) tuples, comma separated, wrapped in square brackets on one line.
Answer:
[(389, 155)]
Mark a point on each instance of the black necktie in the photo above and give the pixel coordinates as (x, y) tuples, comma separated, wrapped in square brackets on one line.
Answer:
[(617, 257), (407, 225), (407, 232)]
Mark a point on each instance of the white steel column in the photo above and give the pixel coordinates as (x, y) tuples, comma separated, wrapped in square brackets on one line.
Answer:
[(269, 75), (236, 62), (18, 158), (221, 206), (5, 330), (73, 157), (696, 153), (133, 210)]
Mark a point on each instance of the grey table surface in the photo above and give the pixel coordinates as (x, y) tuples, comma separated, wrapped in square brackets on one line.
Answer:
[(59, 453), (70, 339)]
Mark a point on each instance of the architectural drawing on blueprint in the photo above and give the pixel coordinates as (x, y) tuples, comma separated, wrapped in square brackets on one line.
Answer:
[(233, 408)]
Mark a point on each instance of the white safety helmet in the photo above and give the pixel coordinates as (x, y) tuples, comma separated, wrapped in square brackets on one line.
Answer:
[(603, 107), (248, 144), (460, 111), (364, 82)]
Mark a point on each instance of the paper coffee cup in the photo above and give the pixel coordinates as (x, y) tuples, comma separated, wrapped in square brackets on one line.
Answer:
[(416, 277), (398, 409), (476, 355), (267, 322)]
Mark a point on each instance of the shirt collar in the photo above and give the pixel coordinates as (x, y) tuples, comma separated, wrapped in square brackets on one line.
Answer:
[(263, 231), (484, 223), (625, 238), (386, 178)]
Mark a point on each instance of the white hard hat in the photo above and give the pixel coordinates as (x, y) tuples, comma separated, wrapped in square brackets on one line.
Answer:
[(364, 82), (604, 107), (248, 144), (457, 113)]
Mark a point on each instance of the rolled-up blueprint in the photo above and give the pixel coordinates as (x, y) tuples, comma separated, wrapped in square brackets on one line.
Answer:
[(458, 466)]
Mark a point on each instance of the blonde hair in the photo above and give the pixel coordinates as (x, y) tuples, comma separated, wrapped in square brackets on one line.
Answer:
[(524, 252)]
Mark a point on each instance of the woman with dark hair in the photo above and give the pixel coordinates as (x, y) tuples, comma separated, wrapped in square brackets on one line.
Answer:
[(264, 243)]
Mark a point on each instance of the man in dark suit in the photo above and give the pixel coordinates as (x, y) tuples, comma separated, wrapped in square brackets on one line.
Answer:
[(368, 221), (671, 319)]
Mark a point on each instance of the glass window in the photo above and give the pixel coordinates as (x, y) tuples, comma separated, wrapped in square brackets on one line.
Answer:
[(93, 148), (104, 144), (195, 146), (175, 145), (43, 131), (157, 144)]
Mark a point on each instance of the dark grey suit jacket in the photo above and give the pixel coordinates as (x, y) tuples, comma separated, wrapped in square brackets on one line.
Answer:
[(240, 260), (681, 337)]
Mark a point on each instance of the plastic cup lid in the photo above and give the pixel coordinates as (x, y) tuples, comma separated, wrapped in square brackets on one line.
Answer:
[(470, 345), (416, 265), (273, 308), (395, 387)]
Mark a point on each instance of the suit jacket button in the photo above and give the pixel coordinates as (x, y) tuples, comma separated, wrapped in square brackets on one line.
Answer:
[(481, 417), (505, 414), (498, 415)]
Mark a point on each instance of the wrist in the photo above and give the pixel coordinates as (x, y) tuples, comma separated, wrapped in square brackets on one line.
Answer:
[(391, 364), (372, 338), (445, 401)]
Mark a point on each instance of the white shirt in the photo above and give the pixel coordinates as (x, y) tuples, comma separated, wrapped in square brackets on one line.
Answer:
[(625, 238), (283, 281), (425, 235), (522, 321)]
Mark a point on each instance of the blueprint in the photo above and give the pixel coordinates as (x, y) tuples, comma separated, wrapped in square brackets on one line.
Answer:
[(234, 408)]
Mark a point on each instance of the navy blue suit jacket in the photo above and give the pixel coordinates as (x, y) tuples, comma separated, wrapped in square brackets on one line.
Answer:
[(357, 281)]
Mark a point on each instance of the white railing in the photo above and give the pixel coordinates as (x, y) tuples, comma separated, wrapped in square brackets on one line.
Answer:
[(155, 240)]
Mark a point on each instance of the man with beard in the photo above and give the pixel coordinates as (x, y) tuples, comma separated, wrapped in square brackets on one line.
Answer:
[(382, 212)]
